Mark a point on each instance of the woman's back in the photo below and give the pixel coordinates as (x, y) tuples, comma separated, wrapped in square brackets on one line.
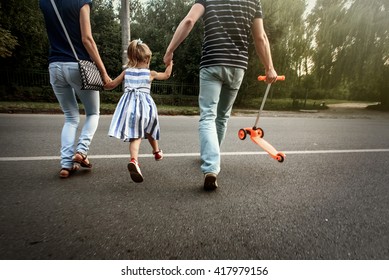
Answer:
[(60, 50)]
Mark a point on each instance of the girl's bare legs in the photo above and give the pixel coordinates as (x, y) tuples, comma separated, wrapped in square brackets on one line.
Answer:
[(134, 148), (157, 152), (133, 166), (153, 143)]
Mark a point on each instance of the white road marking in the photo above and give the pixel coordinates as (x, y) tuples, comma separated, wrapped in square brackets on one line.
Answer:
[(42, 158)]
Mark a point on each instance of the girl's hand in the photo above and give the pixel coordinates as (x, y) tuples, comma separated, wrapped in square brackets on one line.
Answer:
[(109, 86)]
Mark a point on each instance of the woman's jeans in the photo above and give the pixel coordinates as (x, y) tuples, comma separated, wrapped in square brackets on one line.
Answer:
[(66, 82), (219, 86)]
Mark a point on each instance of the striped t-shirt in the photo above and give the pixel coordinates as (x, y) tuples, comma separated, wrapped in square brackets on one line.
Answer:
[(227, 27)]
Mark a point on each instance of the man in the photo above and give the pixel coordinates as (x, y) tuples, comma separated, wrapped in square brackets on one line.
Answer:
[(227, 27)]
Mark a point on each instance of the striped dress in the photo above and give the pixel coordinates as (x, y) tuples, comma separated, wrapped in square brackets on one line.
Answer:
[(136, 113)]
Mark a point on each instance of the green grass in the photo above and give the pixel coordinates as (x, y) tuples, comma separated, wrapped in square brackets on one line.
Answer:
[(105, 108), (27, 105), (286, 104), (108, 108)]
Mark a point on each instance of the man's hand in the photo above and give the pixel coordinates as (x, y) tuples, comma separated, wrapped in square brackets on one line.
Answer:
[(168, 58), (271, 76)]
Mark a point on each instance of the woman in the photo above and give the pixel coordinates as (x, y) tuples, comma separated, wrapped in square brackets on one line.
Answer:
[(65, 77)]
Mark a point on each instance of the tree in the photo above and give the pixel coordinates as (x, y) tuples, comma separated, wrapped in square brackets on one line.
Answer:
[(351, 47), (8, 42), (23, 34), (288, 45), (157, 33), (106, 32), (340, 51), (364, 54), (325, 23)]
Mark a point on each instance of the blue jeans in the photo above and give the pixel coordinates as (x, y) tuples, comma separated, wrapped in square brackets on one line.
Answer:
[(219, 86), (66, 83)]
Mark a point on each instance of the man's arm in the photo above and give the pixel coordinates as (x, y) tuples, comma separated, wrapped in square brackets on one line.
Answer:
[(262, 48), (183, 30)]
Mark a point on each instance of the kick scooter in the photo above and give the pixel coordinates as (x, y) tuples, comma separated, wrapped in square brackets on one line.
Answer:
[(256, 133)]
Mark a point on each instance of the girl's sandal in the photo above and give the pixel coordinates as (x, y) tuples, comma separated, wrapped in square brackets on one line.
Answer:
[(81, 159)]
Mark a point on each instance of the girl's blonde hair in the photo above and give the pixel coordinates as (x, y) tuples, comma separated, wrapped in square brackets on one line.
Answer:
[(138, 52)]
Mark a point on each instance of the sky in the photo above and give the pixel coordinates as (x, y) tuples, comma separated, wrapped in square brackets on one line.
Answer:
[(311, 4)]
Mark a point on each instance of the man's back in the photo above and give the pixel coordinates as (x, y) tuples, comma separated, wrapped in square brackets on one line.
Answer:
[(227, 27)]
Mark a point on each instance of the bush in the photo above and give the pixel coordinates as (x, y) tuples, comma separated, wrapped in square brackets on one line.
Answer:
[(33, 94)]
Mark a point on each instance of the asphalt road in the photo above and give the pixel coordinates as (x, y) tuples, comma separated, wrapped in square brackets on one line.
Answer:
[(328, 200)]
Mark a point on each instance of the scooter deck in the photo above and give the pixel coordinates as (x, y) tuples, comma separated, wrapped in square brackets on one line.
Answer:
[(256, 135), (268, 148)]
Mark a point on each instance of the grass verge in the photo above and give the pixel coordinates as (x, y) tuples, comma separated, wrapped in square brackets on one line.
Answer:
[(109, 108), (105, 108)]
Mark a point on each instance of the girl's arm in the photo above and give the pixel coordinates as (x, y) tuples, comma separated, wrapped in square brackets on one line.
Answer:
[(162, 75), (117, 81)]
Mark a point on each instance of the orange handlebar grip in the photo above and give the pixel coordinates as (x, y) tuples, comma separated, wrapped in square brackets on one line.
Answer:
[(279, 78)]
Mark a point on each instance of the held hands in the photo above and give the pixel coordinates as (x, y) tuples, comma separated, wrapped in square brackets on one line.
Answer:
[(169, 68), (170, 65), (168, 58), (108, 83), (109, 86), (106, 79)]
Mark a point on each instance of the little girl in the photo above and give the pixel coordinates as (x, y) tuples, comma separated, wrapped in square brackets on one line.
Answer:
[(136, 115)]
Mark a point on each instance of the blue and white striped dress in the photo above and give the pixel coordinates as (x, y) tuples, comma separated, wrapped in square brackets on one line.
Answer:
[(136, 113)]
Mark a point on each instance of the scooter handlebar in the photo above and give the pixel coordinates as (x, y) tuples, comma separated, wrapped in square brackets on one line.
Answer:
[(279, 78)]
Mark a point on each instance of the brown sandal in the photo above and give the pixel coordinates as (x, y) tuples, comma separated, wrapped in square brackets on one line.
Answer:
[(81, 159), (65, 172)]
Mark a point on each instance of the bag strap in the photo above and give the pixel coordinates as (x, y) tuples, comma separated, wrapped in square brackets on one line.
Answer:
[(64, 29)]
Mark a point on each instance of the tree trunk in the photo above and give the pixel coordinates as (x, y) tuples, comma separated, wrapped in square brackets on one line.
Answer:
[(125, 23)]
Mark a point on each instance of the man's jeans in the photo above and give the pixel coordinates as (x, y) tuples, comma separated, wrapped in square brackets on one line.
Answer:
[(219, 86), (66, 83)]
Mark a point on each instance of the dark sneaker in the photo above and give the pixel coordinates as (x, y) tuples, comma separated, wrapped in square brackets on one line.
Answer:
[(133, 168), (158, 155), (210, 182)]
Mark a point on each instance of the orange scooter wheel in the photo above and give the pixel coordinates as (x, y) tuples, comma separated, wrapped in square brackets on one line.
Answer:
[(280, 157), (260, 132), (242, 134)]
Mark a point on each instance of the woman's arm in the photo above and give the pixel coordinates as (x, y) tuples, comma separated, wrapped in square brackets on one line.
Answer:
[(117, 81), (89, 42)]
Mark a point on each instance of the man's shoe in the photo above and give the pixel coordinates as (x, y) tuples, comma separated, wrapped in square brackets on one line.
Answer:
[(210, 182), (133, 168)]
